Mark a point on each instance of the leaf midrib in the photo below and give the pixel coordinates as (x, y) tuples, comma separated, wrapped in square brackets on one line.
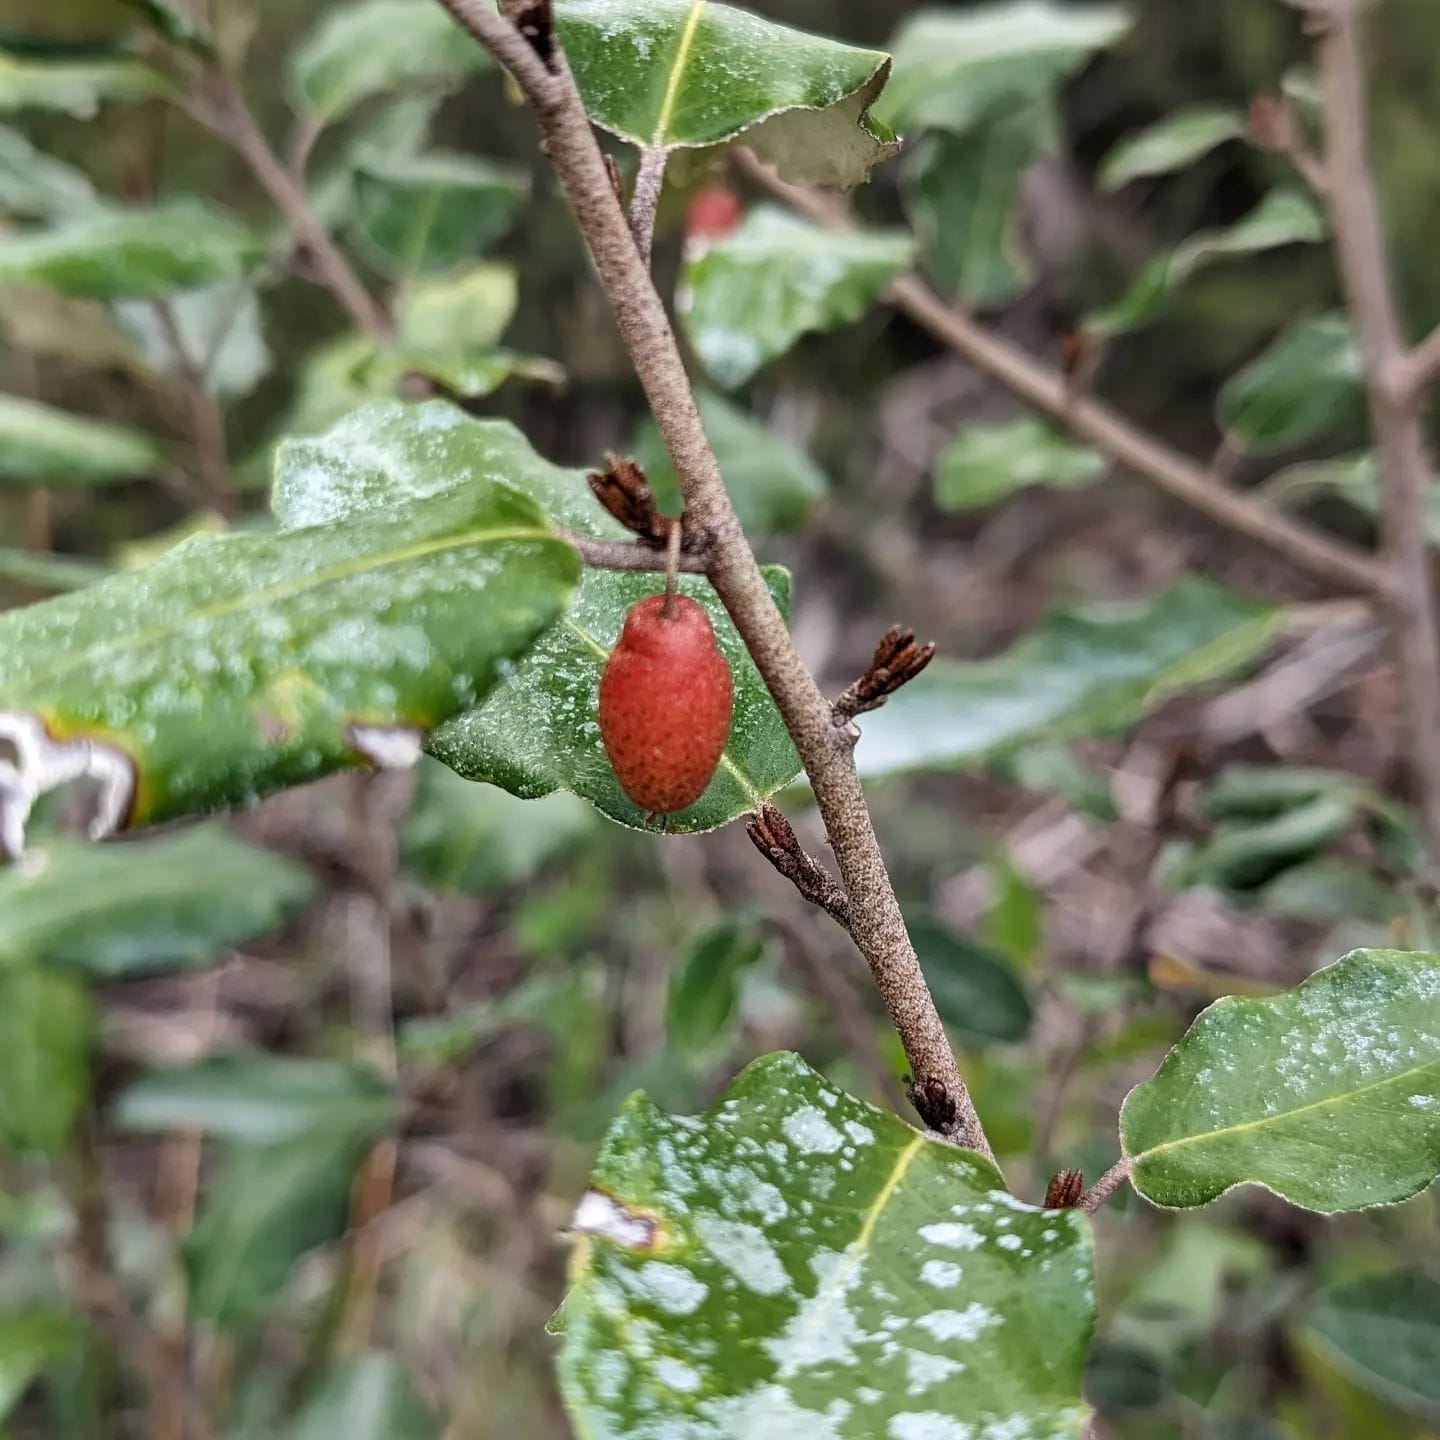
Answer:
[(287, 590), (677, 73), (1262, 1121)]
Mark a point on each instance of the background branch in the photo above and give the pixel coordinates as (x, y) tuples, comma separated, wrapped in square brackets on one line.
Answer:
[(1395, 415), (876, 922)]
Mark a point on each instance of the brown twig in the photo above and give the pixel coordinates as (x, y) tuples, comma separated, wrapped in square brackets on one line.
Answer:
[(1048, 392), (875, 919), (1106, 1185), (898, 660), (220, 105), (1275, 126), (629, 555), (1395, 413), (645, 199), (774, 837)]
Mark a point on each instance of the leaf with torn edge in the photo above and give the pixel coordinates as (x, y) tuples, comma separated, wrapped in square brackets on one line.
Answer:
[(238, 664), (794, 1261), (1328, 1094), (538, 732), (686, 74)]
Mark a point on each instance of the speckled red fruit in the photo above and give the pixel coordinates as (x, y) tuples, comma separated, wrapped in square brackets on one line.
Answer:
[(665, 704), (713, 213)]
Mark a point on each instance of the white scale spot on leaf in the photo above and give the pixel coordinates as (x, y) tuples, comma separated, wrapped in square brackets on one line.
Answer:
[(745, 1252), (966, 1324), (395, 747), (601, 1214), (1009, 1242), (811, 1133), (922, 1370), (952, 1235), (677, 1375), (1424, 1102), (928, 1425), (942, 1274), (675, 1290)]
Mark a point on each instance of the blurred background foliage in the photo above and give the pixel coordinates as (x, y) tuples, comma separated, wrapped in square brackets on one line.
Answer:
[(1074, 905)]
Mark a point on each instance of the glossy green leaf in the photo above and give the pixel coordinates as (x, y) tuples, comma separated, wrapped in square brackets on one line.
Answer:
[(111, 911), (1081, 672), (253, 1098), (975, 987), (773, 483), (417, 214), (76, 84), (748, 298), (220, 328), (704, 990), (674, 74), (1283, 217), (241, 663), (797, 1262), (463, 374), (1328, 1094), (176, 21), (1307, 382), (40, 445), (47, 1025), (267, 1207), (538, 732), (118, 254), (368, 1398), (1383, 1332), (36, 186), (1171, 144), (953, 69), (1242, 855), (31, 1340), (479, 838), (963, 192), (464, 311), (365, 49), (986, 463)]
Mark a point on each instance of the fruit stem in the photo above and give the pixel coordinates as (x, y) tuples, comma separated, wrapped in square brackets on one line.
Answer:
[(672, 568)]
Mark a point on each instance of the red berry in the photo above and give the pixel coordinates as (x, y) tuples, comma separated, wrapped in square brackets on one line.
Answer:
[(665, 703), (713, 213)]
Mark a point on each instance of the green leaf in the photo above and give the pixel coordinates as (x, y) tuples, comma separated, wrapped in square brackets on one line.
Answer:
[(365, 49), (256, 1099), (1171, 144), (1326, 1094), (40, 445), (46, 571), (1283, 217), (538, 732), (367, 1398), (1241, 856), (986, 463), (1307, 382), (963, 190), (794, 1261), (975, 987), (118, 254), (238, 664), (173, 20), (478, 838), (1383, 1331), (47, 1024), (75, 84), (773, 483), (268, 1206), (674, 74), (748, 298), (1355, 479), (36, 186), (220, 327), (464, 374), (954, 70), (109, 912), (31, 1340), (464, 311), (704, 989), (421, 213), (1080, 672)]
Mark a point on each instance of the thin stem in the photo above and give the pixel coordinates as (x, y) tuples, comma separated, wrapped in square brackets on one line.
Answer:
[(225, 111), (207, 424), (1106, 1186), (1421, 368), (672, 568), (876, 923), (1047, 391), (630, 555), (1395, 416), (645, 199)]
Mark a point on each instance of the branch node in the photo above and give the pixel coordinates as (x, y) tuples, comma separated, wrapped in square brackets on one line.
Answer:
[(934, 1104), (774, 837), (624, 491), (898, 660), (536, 22)]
